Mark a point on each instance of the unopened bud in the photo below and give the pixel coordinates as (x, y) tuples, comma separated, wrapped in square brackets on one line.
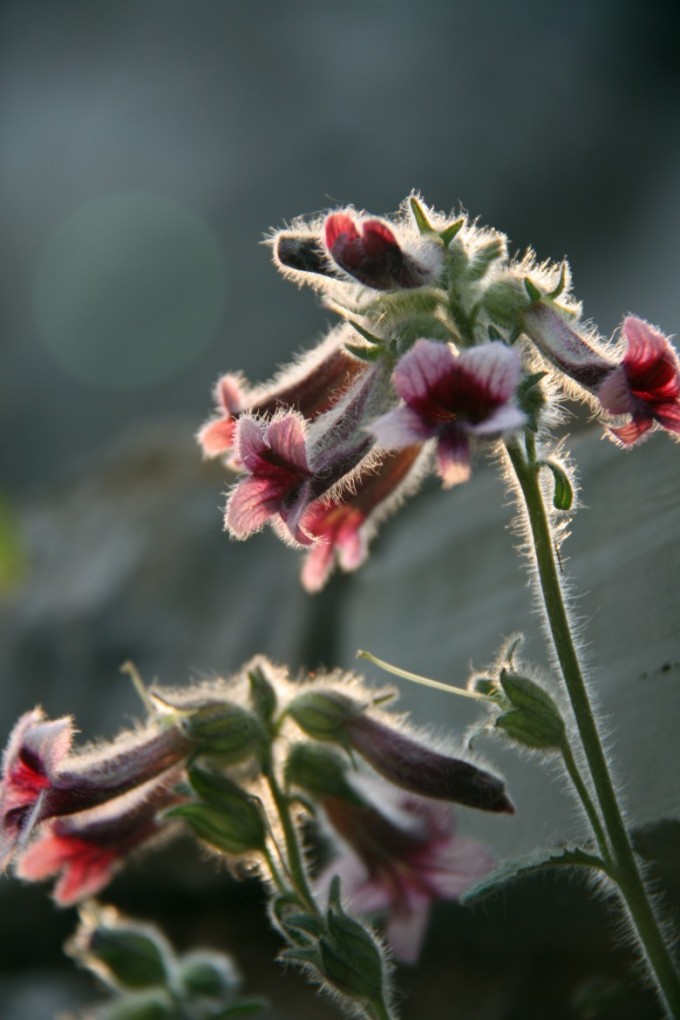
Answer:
[(225, 731), (206, 973), (227, 817), (535, 719), (320, 772), (323, 715), (126, 954), (262, 694)]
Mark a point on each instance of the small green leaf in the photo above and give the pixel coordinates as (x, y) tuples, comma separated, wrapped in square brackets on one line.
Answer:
[(484, 258), (555, 293), (532, 290), (563, 495), (365, 333), (569, 857)]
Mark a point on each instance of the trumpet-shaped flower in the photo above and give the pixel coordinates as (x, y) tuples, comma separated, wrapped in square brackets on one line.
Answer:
[(343, 527), (645, 385), (452, 398), (85, 850), (398, 860), (372, 254)]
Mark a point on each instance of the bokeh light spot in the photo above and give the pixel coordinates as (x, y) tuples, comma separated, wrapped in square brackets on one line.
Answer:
[(128, 290)]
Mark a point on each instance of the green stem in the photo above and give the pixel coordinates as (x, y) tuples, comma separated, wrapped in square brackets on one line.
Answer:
[(587, 802), (274, 871), (625, 867), (293, 851)]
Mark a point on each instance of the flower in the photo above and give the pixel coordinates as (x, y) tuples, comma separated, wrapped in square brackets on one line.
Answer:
[(42, 780), (327, 714), (311, 385), (291, 462), (85, 850), (344, 526), (399, 859), (35, 750), (645, 385), (579, 359), (372, 254), (451, 398)]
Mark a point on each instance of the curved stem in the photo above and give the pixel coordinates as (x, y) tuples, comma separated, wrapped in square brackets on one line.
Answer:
[(588, 805), (626, 870), (295, 862)]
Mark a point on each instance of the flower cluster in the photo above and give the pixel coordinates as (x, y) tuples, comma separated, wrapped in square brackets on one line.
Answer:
[(438, 353), (216, 758)]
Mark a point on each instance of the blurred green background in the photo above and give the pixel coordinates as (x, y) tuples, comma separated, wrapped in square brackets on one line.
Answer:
[(146, 147)]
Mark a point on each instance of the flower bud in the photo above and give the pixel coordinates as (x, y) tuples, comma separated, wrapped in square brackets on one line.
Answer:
[(226, 731), (262, 694), (535, 719), (320, 772), (208, 974), (323, 715), (349, 955), (226, 817), (126, 954)]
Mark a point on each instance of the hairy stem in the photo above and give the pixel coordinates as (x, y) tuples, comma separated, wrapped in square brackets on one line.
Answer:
[(625, 867), (293, 851)]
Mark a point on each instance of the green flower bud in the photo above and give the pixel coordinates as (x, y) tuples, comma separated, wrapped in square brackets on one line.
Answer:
[(225, 731), (209, 974), (262, 695), (128, 955), (535, 719), (227, 818), (504, 300), (323, 715), (319, 771)]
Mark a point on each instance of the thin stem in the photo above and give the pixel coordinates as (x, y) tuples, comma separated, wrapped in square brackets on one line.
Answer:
[(295, 862), (425, 681), (274, 871), (626, 871), (587, 802)]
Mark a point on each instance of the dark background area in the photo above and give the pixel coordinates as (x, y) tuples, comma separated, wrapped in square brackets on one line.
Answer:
[(146, 148)]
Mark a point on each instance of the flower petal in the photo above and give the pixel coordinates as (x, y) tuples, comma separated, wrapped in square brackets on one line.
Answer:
[(453, 457), (406, 930), (495, 367)]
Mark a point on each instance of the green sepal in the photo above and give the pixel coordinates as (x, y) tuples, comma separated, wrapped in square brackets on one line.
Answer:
[(532, 290), (236, 832), (563, 493), (422, 222), (364, 353), (262, 695), (485, 256), (226, 731), (562, 283), (531, 398), (307, 924), (534, 720), (448, 233), (320, 771), (323, 715), (569, 857), (300, 955), (207, 973), (369, 337)]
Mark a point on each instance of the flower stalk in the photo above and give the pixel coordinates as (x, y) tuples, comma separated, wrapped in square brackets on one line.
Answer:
[(624, 868)]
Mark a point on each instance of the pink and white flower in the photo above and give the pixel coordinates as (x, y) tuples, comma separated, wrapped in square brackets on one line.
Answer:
[(645, 385), (400, 858), (452, 399)]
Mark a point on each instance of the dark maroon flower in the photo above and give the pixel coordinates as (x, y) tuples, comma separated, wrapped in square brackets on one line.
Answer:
[(645, 385), (452, 398), (372, 254)]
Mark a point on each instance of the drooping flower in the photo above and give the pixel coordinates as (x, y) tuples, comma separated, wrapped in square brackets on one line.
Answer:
[(42, 780), (327, 714), (35, 750), (310, 385), (399, 858), (371, 253), (344, 526), (575, 356), (290, 462), (645, 385), (452, 398), (85, 850)]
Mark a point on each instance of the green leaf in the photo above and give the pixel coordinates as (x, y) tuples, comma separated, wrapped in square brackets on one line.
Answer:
[(563, 495), (569, 857)]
